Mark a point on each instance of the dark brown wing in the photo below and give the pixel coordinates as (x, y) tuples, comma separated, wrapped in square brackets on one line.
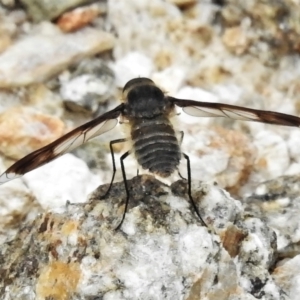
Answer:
[(64, 144), (207, 109)]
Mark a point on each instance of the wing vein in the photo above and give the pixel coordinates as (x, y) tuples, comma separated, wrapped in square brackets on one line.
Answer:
[(67, 142)]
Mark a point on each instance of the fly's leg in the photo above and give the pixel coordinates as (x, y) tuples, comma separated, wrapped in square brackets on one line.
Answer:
[(126, 187), (113, 163), (190, 188), (180, 142), (181, 137)]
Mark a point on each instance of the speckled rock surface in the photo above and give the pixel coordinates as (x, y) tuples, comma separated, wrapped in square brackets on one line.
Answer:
[(47, 10), (27, 128), (160, 252), (56, 51), (237, 52), (267, 29), (277, 202)]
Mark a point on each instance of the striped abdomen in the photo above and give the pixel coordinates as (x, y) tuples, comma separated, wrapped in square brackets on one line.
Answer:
[(155, 145)]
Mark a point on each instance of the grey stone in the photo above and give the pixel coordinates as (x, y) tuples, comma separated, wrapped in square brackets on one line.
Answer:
[(40, 10), (160, 252), (38, 57)]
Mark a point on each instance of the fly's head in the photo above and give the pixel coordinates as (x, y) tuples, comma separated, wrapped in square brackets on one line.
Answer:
[(143, 99)]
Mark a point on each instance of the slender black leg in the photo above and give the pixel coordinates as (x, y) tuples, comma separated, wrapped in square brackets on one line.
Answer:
[(113, 163), (126, 187), (180, 142), (190, 188), (181, 137), (181, 175)]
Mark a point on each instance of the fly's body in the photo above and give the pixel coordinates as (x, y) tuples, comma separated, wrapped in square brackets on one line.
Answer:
[(154, 142), (155, 145)]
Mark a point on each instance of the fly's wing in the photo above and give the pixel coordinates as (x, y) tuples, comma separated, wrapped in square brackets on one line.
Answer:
[(64, 144), (207, 109)]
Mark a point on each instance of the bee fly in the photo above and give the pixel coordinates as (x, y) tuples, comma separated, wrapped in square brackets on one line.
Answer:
[(147, 110)]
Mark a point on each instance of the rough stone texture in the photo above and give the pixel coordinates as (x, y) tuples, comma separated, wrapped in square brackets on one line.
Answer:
[(78, 18), (28, 129), (268, 29), (17, 205), (51, 191), (160, 252), (236, 52), (40, 10), (24, 63), (88, 86), (277, 202), (287, 277)]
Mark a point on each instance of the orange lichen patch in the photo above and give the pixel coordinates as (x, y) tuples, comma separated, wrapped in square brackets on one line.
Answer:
[(195, 290), (58, 281), (69, 227), (5, 41), (77, 18), (54, 229), (216, 293), (38, 94), (163, 58), (236, 40), (232, 238), (208, 76), (23, 130), (242, 157), (262, 163)]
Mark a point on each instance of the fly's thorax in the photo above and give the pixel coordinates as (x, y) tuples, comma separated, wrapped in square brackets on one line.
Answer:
[(155, 145), (145, 101)]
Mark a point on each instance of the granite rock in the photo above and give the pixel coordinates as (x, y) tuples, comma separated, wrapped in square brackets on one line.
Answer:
[(49, 10), (161, 250), (24, 63)]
